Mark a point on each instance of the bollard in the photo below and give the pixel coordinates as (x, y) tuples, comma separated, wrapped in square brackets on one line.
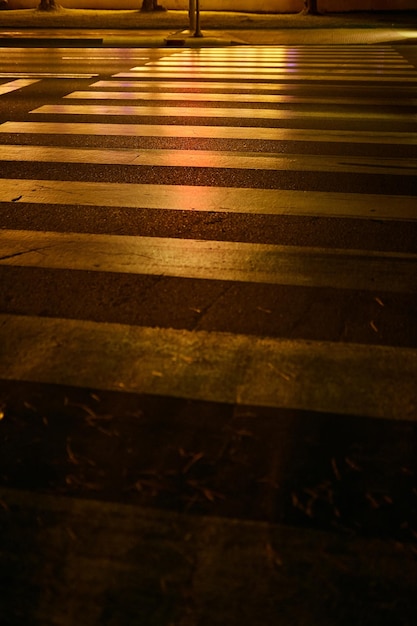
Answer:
[(192, 15), (197, 32)]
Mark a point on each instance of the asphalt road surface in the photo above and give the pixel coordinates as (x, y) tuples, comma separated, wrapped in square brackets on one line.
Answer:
[(208, 336)]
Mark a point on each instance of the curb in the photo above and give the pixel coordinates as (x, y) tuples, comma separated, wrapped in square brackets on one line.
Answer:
[(188, 40), (178, 39)]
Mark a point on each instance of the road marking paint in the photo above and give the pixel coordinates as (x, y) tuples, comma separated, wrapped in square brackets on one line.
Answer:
[(209, 132), (238, 97), (213, 260), (282, 61), (205, 198), (231, 85), (211, 159), (44, 75), (369, 77), (340, 378), (223, 112), (287, 63), (14, 85), (101, 57), (278, 48), (308, 51)]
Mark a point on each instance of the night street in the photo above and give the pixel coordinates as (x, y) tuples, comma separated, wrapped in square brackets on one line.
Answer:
[(208, 337)]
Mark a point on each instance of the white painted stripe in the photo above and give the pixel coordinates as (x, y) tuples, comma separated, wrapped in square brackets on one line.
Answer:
[(230, 85), (304, 58), (282, 59), (336, 67), (286, 56), (101, 57), (238, 97), (14, 85), (214, 260), (218, 199), (215, 367), (287, 52), (209, 132), (323, 77), (211, 159), (292, 63), (280, 51), (231, 112), (44, 75)]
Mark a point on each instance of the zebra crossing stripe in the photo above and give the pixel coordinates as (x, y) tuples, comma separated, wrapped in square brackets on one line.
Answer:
[(281, 61), (14, 85), (333, 69), (206, 198), (229, 85), (230, 112), (211, 159), (288, 65), (294, 58), (237, 97), (338, 378), (287, 53), (40, 75), (368, 77), (209, 132), (214, 260), (360, 51)]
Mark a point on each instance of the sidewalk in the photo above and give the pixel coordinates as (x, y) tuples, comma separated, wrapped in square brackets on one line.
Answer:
[(137, 29)]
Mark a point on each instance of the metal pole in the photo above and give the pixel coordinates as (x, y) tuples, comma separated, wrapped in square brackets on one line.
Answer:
[(191, 15), (197, 32)]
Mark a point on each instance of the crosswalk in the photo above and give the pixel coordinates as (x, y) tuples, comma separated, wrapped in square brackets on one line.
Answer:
[(208, 270), (210, 95)]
